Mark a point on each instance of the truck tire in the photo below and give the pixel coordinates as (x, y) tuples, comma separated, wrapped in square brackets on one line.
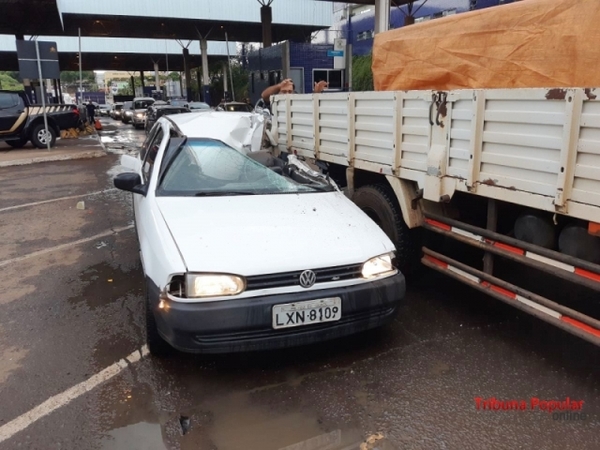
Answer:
[(17, 143), (39, 136), (379, 202), (157, 346)]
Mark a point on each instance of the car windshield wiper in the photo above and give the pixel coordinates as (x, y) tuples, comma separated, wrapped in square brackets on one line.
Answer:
[(221, 193)]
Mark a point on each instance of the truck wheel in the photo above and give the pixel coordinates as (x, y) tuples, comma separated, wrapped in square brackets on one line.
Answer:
[(40, 136), (17, 143), (157, 346), (379, 202)]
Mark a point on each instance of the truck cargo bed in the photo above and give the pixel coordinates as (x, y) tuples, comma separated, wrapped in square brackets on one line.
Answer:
[(535, 147)]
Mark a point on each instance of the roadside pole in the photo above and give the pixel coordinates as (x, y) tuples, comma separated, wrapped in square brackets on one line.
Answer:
[(42, 94), (230, 71), (80, 73)]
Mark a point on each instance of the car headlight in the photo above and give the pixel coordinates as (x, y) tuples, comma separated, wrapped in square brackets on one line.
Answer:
[(213, 285), (140, 115), (379, 266)]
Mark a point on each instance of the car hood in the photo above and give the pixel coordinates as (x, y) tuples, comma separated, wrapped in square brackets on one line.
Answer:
[(258, 234)]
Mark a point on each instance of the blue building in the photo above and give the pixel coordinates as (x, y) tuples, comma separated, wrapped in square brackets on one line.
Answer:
[(358, 28)]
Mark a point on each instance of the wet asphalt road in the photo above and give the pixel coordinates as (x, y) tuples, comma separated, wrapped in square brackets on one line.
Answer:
[(71, 302)]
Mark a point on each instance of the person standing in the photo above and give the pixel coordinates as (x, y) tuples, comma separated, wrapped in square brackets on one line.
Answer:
[(287, 87), (91, 112)]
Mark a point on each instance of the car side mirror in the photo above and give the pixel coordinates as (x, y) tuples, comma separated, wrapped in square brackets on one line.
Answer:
[(130, 182)]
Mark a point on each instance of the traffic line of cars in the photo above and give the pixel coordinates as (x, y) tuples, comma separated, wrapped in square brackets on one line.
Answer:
[(143, 112)]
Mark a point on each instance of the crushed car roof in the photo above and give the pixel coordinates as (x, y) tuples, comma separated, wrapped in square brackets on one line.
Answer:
[(233, 128)]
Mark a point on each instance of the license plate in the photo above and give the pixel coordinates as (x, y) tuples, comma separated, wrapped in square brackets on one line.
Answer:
[(305, 313)]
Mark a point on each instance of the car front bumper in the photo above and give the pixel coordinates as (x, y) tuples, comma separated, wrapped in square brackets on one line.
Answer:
[(138, 120), (246, 324)]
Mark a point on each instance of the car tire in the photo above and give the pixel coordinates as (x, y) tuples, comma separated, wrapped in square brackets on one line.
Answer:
[(39, 137), (17, 143), (379, 202), (157, 346)]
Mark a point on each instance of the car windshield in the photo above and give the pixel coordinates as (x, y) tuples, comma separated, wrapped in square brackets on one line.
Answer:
[(237, 107), (198, 105), (204, 167), (142, 104), (117, 107), (166, 112)]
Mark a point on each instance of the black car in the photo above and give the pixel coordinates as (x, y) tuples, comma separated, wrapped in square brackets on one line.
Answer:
[(155, 112), (21, 122)]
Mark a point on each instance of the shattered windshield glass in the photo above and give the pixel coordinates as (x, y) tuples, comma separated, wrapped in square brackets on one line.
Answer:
[(205, 167)]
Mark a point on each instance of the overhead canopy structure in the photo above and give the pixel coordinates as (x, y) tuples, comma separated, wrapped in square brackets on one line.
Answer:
[(175, 19), (117, 54), (209, 20)]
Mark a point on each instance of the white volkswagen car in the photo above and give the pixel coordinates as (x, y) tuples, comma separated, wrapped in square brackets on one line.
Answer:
[(243, 251)]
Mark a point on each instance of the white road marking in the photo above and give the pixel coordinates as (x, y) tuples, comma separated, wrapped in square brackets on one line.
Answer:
[(53, 403), (63, 246), (25, 205)]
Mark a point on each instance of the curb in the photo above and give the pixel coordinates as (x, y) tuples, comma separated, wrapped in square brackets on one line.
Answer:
[(82, 155)]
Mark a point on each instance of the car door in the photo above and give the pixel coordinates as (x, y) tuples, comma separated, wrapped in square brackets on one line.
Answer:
[(142, 205), (12, 112)]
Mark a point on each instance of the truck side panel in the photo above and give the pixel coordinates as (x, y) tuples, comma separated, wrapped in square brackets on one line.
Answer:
[(535, 147)]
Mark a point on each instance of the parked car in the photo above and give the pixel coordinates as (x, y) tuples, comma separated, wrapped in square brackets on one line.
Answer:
[(127, 113), (103, 110), (197, 105), (117, 111), (139, 107), (156, 111), (223, 248), (235, 106), (21, 122)]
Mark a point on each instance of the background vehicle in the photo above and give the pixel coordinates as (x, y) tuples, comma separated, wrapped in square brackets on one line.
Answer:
[(21, 122), (235, 106), (103, 110), (127, 112), (156, 111), (460, 177), (197, 105), (139, 106), (117, 111)]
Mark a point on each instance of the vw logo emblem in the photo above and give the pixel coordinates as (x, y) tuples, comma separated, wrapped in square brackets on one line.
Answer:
[(307, 278)]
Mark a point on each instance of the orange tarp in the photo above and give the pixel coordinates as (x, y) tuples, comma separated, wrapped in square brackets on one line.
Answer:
[(531, 43)]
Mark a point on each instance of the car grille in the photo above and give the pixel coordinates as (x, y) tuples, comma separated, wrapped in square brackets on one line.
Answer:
[(285, 279)]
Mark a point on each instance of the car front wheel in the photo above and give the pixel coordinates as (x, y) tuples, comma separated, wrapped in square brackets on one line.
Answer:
[(157, 346), (40, 136)]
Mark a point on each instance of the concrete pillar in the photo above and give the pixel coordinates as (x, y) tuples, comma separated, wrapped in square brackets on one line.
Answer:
[(188, 74), (205, 79), (225, 84), (266, 18), (156, 77), (382, 16)]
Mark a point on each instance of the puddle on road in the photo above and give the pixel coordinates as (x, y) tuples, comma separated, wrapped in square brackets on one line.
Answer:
[(103, 283), (234, 422), (121, 138), (143, 435)]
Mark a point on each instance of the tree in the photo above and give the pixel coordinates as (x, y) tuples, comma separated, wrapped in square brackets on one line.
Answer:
[(10, 82), (362, 75)]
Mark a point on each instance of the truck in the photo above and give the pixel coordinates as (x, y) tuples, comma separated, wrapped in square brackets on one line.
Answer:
[(482, 140), (21, 121)]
